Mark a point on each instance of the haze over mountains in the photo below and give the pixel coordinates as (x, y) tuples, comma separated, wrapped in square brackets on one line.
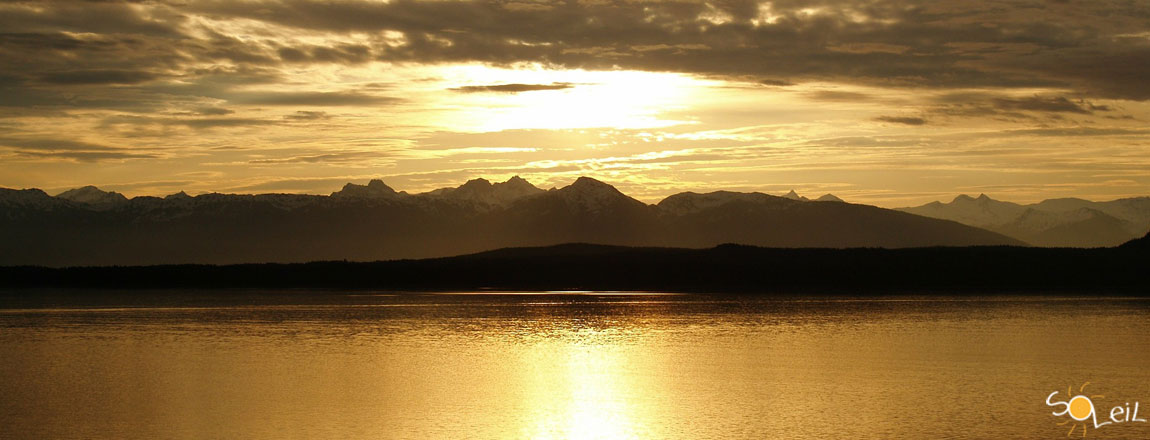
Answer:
[(87, 226), (1056, 222)]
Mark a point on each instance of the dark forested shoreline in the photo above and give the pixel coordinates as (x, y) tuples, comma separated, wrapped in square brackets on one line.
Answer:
[(732, 268)]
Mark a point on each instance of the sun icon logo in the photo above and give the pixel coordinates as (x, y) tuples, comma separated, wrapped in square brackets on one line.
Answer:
[(1080, 408)]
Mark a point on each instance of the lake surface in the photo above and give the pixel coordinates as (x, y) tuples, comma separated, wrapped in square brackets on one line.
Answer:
[(300, 364)]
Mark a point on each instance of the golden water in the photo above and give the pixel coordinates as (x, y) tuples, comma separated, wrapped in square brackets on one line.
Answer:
[(280, 365)]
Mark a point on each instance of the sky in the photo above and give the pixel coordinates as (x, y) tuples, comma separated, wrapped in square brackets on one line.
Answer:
[(891, 103)]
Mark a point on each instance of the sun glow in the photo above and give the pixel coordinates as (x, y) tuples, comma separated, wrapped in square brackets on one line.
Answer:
[(579, 99)]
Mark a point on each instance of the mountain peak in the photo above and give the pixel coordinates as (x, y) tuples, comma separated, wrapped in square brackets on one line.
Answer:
[(592, 194), (375, 188), (828, 198), (90, 195), (587, 182), (983, 197), (483, 191), (962, 198), (177, 196), (478, 182), (795, 196)]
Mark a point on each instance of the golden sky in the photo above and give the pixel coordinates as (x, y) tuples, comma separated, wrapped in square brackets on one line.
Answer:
[(891, 103)]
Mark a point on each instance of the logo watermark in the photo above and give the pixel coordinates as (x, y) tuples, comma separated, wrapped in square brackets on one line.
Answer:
[(1080, 407)]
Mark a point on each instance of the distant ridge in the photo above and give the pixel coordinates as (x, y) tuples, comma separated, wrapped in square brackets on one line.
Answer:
[(359, 222), (1053, 223)]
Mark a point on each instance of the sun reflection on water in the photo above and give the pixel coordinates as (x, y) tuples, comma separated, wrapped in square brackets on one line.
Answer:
[(587, 399)]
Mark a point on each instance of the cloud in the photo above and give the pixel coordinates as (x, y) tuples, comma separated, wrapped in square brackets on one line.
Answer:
[(193, 123), (90, 77), (891, 43), (775, 82), (208, 123), (339, 54), (838, 96), (1077, 131), (162, 49), (69, 150), (901, 120), (307, 116), (333, 157), (1056, 104), (86, 156), (50, 144), (512, 88), (213, 111), (319, 99)]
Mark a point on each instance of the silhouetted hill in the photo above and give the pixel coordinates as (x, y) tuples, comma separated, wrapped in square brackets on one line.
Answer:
[(726, 268), (1055, 222), (1141, 244), (375, 222), (700, 220)]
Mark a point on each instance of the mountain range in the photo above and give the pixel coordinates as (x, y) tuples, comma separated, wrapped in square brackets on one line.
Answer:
[(87, 226), (1067, 222)]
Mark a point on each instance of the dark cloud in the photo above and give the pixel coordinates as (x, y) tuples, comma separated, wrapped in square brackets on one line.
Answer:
[(838, 96), (338, 157), (321, 99), (775, 82), (88, 77), (1076, 132), (109, 17), (85, 156), (1042, 104), (209, 123), (902, 120), (48, 144), (1005, 107), (939, 45), (69, 150), (189, 122), (513, 88), (213, 111), (340, 54), (307, 116), (157, 53)]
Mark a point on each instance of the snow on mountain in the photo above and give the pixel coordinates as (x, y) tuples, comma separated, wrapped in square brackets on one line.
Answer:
[(795, 196), (483, 192), (587, 194), (27, 198), (982, 211), (94, 197)]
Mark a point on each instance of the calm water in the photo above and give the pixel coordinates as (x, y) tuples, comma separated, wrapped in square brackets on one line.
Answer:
[(329, 365)]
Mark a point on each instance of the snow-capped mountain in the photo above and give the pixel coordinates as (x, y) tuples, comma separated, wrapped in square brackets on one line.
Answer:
[(485, 193), (795, 196), (90, 195)]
